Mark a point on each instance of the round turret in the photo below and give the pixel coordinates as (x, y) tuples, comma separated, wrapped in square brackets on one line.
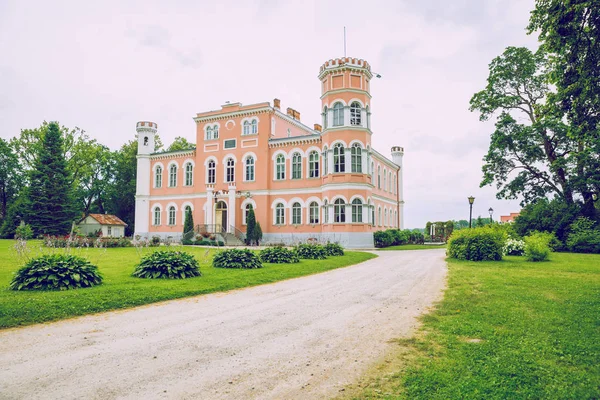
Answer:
[(397, 150), (145, 132), (146, 126)]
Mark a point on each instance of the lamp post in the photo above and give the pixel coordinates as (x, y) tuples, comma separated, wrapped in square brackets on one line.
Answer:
[(471, 200), (491, 211)]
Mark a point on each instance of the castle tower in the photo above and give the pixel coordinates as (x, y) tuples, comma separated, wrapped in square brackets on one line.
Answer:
[(146, 132), (397, 154)]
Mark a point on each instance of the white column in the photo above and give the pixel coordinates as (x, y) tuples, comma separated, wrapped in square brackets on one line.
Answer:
[(330, 213), (231, 209), (329, 161), (348, 159), (347, 116), (209, 206), (329, 118), (348, 213), (365, 214), (363, 118), (364, 161)]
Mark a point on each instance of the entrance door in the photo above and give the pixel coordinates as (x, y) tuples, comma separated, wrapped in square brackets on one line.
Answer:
[(221, 216)]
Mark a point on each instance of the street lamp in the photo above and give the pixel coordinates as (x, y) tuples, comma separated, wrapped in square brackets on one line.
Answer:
[(471, 200), (491, 211)]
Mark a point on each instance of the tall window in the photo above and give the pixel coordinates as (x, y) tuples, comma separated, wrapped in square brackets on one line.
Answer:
[(339, 158), (280, 167), (379, 216), (296, 214), (173, 175), (385, 217), (246, 130), (246, 210), (390, 182), (313, 164), (249, 169), (339, 211), (325, 163), (338, 114), (357, 207), (254, 127), (296, 166), (172, 215), (230, 172), (372, 214), (384, 175), (355, 117), (279, 214), (313, 213), (379, 177), (212, 172), (356, 158), (212, 132), (189, 174), (158, 177), (326, 212), (157, 215)]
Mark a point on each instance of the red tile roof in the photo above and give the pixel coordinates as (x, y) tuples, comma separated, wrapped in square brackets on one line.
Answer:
[(108, 219)]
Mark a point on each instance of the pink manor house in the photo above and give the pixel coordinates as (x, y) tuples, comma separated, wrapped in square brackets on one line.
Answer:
[(325, 183)]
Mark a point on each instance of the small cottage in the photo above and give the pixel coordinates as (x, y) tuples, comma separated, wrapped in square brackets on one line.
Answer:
[(109, 225)]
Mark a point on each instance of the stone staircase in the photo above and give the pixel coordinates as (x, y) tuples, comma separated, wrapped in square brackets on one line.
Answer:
[(231, 240)]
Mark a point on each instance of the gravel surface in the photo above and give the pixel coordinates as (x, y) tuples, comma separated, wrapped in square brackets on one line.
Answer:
[(303, 338)]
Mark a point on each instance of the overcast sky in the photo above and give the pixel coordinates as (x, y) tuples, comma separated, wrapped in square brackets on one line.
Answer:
[(103, 66)]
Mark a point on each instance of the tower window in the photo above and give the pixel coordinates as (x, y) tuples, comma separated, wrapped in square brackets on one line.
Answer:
[(338, 114), (313, 164), (357, 210), (339, 158), (339, 211), (356, 158), (145, 140), (355, 114)]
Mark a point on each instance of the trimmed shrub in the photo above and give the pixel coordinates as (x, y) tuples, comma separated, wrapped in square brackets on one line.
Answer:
[(514, 247), (24, 232), (279, 255), (477, 244), (236, 258), (537, 247), (334, 249), (56, 272), (382, 239), (167, 264), (583, 238), (311, 251)]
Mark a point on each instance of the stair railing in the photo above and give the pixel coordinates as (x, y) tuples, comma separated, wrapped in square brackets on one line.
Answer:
[(238, 234)]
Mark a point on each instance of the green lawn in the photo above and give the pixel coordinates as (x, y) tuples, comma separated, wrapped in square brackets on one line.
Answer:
[(120, 290), (415, 247), (505, 330)]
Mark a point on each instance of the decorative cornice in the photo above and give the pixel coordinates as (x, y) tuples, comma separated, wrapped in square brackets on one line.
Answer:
[(173, 154), (345, 90), (233, 114), (293, 141)]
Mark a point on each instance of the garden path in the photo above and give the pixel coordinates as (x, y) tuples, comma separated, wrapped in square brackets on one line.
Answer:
[(301, 338)]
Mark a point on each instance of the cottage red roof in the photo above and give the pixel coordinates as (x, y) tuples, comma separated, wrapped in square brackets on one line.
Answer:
[(108, 219)]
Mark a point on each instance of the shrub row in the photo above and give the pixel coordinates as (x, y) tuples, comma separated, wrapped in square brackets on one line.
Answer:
[(395, 237), (203, 242), (81, 241), (167, 264)]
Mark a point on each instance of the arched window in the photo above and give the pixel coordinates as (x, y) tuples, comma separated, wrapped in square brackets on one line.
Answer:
[(390, 182), (379, 177), (230, 172), (384, 176), (172, 215), (372, 214), (355, 111), (313, 164), (379, 216), (296, 213), (280, 167), (189, 174), (296, 166), (313, 211), (279, 214), (173, 175), (326, 212), (254, 128), (339, 158), (246, 130), (212, 172), (325, 161), (158, 177), (356, 158), (325, 117), (157, 214), (357, 207), (246, 211), (249, 169), (338, 114), (212, 132), (339, 211)]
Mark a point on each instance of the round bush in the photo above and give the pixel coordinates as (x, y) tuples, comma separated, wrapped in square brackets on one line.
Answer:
[(279, 255), (236, 258), (514, 247), (477, 244), (537, 247), (334, 249), (311, 251), (56, 272), (167, 264)]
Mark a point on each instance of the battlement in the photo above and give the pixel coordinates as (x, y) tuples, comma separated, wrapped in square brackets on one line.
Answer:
[(146, 125), (398, 150), (345, 61)]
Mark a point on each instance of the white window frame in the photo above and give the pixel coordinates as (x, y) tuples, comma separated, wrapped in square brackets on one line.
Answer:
[(279, 214), (280, 167), (357, 209), (157, 216), (338, 114), (158, 171), (339, 159), (356, 158), (355, 114), (172, 215), (230, 170), (189, 174), (313, 212), (173, 175), (296, 213), (249, 169), (213, 170), (296, 166), (313, 164), (339, 211)]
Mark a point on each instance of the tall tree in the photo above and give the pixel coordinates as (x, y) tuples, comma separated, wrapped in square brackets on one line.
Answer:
[(181, 143), (10, 177), (188, 224), (531, 153), (120, 195), (570, 32), (49, 207), (250, 227)]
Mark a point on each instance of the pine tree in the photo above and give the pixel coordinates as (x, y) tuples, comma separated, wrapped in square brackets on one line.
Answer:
[(250, 226), (257, 234), (188, 224), (49, 205)]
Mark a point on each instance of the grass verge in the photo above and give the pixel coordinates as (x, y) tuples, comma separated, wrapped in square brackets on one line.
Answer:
[(120, 290), (504, 330), (415, 247)]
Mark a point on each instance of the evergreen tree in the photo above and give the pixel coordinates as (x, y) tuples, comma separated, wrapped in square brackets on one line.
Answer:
[(49, 205), (250, 226), (188, 224), (257, 234)]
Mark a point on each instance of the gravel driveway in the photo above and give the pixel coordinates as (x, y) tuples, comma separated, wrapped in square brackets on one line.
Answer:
[(303, 338)]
